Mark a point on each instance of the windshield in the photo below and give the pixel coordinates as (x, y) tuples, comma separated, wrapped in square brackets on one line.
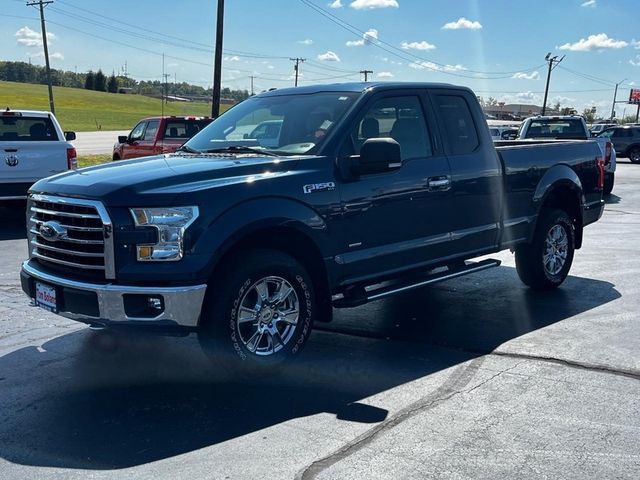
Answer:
[(285, 124), (569, 128)]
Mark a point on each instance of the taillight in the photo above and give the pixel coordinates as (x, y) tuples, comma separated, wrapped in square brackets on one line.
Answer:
[(600, 165), (607, 153), (72, 159)]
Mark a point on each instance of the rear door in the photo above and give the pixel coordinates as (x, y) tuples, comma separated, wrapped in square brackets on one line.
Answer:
[(30, 149), (395, 220), (476, 174)]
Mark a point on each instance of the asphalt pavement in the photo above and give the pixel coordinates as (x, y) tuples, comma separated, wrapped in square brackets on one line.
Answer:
[(479, 377), (94, 143)]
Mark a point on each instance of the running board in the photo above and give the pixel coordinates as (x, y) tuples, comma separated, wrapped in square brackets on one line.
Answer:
[(357, 296)]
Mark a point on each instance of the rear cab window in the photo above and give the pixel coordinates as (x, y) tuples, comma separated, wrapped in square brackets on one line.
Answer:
[(560, 128), (27, 129), (183, 128)]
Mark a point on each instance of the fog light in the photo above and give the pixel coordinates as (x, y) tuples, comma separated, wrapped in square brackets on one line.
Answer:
[(155, 303)]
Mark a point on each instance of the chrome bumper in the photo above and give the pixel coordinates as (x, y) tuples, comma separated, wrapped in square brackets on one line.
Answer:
[(182, 305)]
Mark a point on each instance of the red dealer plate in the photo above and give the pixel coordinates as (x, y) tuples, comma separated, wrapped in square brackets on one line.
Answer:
[(46, 297)]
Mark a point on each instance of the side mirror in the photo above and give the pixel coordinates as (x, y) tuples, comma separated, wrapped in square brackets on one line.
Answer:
[(69, 136), (122, 139), (377, 155)]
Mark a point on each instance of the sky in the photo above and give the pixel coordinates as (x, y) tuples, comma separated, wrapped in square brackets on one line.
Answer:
[(495, 47)]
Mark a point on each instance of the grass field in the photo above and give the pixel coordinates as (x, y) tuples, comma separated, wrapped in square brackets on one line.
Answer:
[(85, 110), (90, 160)]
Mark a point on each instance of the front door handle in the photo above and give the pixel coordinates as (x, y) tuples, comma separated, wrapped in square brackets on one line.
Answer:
[(439, 183)]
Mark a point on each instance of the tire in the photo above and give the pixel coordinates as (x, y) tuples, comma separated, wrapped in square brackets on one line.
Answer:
[(634, 155), (116, 158), (249, 320), (609, 179), (545, 263)]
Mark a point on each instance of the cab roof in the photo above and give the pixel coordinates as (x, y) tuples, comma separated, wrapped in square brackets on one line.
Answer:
[(356, 87)]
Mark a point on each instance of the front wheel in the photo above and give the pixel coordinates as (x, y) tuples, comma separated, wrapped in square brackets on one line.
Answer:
[(258, 311), (544, 263)]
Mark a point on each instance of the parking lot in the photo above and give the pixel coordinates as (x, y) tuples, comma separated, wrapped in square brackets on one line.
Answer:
[(479, 377)]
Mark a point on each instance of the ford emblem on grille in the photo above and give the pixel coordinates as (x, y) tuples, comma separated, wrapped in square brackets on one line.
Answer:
[(52, 231), (11, 160)]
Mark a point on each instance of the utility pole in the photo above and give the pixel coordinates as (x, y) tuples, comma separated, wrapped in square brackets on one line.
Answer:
[(252, 77), (366, 74), (615, 94), (42, 4), (166, 86), (217, 62), (296, 67), (553, 62)]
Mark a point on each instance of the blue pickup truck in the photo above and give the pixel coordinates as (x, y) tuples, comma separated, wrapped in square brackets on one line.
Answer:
[(367, 190)]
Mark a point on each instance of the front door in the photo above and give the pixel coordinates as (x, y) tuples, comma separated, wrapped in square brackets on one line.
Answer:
[(395, 220), (131, 148)]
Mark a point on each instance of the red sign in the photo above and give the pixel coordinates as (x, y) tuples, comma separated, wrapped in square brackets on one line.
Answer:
[(634, 95)]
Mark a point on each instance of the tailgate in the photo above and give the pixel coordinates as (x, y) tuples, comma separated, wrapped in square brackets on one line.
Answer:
[(23, 162)]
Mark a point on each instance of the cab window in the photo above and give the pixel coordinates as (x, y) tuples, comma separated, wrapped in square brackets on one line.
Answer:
[(399, 118), (138, 132)]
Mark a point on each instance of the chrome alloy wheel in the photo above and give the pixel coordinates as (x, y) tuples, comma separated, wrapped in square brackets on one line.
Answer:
[(267, 315), (556, 249)]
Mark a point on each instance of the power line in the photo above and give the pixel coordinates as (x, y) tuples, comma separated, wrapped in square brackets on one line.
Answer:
[(405, 55)]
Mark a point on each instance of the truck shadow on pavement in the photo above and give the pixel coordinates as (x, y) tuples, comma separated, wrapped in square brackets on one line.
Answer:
[(12, 221), (94, 401)]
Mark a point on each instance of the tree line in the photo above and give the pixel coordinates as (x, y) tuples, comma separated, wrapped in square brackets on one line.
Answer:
[(27, 73)]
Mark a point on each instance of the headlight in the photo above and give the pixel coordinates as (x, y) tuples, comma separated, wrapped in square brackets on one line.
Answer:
[(171, 223)]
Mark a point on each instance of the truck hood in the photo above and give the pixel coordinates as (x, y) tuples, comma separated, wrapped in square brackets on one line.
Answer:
[(153, 180)]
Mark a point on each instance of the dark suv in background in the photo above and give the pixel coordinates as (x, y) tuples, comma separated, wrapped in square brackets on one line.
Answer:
[(626, 141)]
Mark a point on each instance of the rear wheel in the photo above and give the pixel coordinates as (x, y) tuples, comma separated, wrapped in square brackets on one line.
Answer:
[(260, 313), (116, 157), (608, 183), (545, 263), (634, 155)]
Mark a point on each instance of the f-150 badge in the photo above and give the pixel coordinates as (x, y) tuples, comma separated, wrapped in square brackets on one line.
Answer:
[(319, 187)]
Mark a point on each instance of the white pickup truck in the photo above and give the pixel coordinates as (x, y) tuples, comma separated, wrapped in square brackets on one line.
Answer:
[(570, 127), (32, 146)]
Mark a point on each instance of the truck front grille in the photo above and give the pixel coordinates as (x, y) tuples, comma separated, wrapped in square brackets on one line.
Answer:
[(70, 233)]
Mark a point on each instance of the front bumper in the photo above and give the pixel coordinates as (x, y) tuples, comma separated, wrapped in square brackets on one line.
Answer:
[(114, 305)]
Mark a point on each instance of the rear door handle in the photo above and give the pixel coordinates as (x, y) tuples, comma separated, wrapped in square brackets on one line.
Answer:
[(439, 183)]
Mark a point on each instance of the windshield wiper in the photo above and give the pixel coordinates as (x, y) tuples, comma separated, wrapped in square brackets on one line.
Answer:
[(185, 148), (240, 149)]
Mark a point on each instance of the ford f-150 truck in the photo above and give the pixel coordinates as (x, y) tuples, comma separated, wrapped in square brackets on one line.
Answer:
[(156, 135), (33, 146), (371, 190)]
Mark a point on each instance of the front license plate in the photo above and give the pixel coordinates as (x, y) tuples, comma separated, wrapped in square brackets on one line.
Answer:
[(46, 297)]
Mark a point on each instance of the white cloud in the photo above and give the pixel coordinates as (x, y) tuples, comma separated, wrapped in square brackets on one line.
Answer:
[(233, 58), (30, 38), (306, 41), (462, 23), (384, 75), (370, 4), (336, 4), (526, 96), (635, 61), (589, 3), (435, 67), (599, 41), (52, 56), (329, 56), (635, 44), (368, 36), (423, 45), (564, 101), (525, 76)]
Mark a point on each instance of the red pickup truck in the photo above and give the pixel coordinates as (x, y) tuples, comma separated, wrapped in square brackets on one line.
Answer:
[(156, 135)]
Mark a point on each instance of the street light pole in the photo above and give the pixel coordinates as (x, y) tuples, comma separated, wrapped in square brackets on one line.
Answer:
[(615, 94)]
